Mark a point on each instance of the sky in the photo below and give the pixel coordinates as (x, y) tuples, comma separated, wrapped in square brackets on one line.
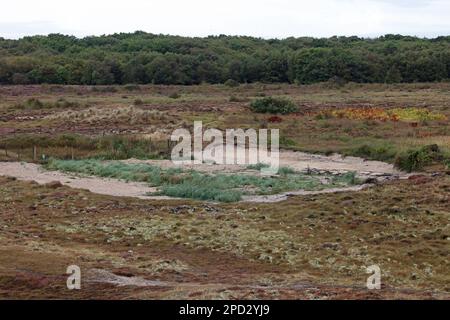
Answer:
[(258, 18)]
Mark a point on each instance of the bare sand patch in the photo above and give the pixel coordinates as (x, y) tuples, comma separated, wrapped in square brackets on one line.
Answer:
[(106, 186), (299, 161)]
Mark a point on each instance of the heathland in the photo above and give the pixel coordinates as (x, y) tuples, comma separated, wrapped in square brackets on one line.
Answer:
[(209, 244)]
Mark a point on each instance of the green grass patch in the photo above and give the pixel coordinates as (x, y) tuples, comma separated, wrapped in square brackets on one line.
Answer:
[(109, 147), (383, 152), (202, 186), (413, 159)]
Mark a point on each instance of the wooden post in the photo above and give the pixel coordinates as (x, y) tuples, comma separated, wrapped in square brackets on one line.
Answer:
[(34, 153), (72, 154)]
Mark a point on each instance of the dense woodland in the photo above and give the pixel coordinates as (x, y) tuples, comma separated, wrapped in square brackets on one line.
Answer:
[(160, 59)]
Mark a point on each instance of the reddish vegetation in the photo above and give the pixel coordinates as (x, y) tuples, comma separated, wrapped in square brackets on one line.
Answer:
[(275, 119), (7, 131), (419, 179), (35, 254)]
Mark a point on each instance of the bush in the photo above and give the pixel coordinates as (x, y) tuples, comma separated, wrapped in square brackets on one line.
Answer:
[(63, 104), (415, 160), (32, 103), (174, 95), (273, 105), (138, 102), (231, 83)]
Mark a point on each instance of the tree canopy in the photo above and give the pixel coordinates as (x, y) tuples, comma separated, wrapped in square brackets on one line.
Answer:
[(141, 57)]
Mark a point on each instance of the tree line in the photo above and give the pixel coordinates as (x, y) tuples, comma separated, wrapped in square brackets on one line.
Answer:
[(142, 58)]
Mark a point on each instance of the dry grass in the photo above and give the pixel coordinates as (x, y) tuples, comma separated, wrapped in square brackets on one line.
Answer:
[(130, 114), (327, 240)]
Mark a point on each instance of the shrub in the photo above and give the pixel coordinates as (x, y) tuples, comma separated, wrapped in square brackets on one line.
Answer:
[(32, 103), (20, 78), (174, 95), (231, 83), (335, 82), (415, 160), (234, 99), (138, 102), (63, 104), (273, 105)]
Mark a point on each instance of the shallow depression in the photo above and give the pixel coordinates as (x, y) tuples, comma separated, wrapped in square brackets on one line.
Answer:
[(295, 160)]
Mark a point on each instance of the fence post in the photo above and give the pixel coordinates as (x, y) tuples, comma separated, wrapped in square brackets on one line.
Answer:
[(72, 153), (34, 153)]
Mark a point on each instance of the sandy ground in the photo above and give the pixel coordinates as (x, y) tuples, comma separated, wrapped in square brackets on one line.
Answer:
[(285, 195), (112, 187), (299, 161), (296, 160)]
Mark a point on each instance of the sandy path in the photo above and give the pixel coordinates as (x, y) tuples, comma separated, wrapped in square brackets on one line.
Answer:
[(106, 186)]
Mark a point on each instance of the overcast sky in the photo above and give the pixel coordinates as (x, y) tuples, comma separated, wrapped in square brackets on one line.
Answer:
[(260, 18)]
